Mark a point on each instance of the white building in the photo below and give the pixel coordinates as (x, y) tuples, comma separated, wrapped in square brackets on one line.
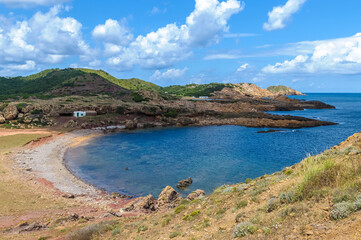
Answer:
[(79, 114)]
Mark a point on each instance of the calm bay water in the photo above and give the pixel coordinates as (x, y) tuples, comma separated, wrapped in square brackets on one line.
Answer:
[(211, 156)]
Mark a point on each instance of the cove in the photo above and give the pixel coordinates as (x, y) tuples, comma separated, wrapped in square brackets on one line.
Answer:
[(212, 156)]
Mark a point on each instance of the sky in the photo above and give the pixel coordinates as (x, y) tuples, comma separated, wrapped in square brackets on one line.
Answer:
[(309, 45)]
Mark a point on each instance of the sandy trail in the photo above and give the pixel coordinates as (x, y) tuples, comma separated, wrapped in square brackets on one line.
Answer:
[(9, 132), (46, 161)]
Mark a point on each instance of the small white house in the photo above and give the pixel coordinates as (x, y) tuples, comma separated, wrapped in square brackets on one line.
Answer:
[(79, 114)]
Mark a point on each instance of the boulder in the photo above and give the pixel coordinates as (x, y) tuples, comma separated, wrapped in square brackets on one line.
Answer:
[(70, 124), (184, 183), (2, 119), (143, 203), (196, 194), (11, 112), (129, 124), (168, 197)]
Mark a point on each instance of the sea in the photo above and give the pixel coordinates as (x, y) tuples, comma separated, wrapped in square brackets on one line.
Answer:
[(143, 162)]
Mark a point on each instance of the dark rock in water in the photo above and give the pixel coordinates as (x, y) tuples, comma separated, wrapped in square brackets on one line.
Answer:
[(126, 169), (184, 183), (271, 131)]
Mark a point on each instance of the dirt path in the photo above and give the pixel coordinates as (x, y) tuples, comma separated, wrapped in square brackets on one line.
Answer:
[(9, 132)]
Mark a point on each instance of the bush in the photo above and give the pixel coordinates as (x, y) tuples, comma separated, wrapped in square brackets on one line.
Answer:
[(288, 172), (179, 209), (173, 113), (174, 234), (358, 203), (243, 229), (242, 204), (88, 232), (342, 210), (165, 221), (248, 180), (272, 205), (286, 197), (195, 213)]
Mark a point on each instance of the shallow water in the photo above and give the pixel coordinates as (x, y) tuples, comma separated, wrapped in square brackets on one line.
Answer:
[(213, 155)]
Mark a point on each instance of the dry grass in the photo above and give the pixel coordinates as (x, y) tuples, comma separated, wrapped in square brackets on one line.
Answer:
[(16, 196)]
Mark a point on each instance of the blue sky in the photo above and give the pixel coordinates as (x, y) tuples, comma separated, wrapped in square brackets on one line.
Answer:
[(313, 46)]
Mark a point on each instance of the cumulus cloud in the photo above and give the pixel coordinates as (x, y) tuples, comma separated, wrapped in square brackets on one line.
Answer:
[(170, 74), (44, 38), (243, 67), (172, 43), (279, 15), (340, 56), (31, 3), (113, 32)]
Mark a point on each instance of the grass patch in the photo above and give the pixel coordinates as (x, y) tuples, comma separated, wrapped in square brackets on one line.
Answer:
[(90, 231), (13, 141)]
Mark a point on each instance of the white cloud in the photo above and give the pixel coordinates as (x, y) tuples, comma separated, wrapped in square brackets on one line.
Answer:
[(172, 43), (340, 56), (155, 10), (243, 67), (170, 74), (279, 15), (31, 3), (113, 32), (44, 38)]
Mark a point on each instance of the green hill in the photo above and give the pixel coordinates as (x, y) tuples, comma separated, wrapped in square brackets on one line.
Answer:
[(55, 82), (194, 89), (133, 84)]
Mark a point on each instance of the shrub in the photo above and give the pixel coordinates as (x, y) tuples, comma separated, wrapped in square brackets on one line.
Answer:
[(138, 97), (165, 221), (317, 177), (248, 180), (342, 210), (242, 204), (142, 228), (243, 229), (174, 234), (358, 203), (88, 232), (120, 110), (288, 172), (179, 209), (173, 113), (272, 205), (286, 197), (195, 213)]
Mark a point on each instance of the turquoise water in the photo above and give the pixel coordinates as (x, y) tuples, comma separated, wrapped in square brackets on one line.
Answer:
[(213, 155)]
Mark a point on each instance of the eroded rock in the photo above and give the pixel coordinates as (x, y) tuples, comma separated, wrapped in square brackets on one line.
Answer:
[(195, 194), (168, 197), (143, 203), (11, 112)]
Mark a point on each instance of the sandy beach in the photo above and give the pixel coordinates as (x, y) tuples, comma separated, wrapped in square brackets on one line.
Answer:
[(46, 161)]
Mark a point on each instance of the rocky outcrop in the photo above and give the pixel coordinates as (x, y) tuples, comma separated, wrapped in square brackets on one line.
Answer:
[(195, 194), (70, 124), (147, 203), (183, 184), (11, 112), (2, 119), (168, 197), (281, 90), (131, 124)]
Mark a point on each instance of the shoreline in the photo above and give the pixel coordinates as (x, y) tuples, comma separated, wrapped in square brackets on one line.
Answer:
[(47, 161)]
